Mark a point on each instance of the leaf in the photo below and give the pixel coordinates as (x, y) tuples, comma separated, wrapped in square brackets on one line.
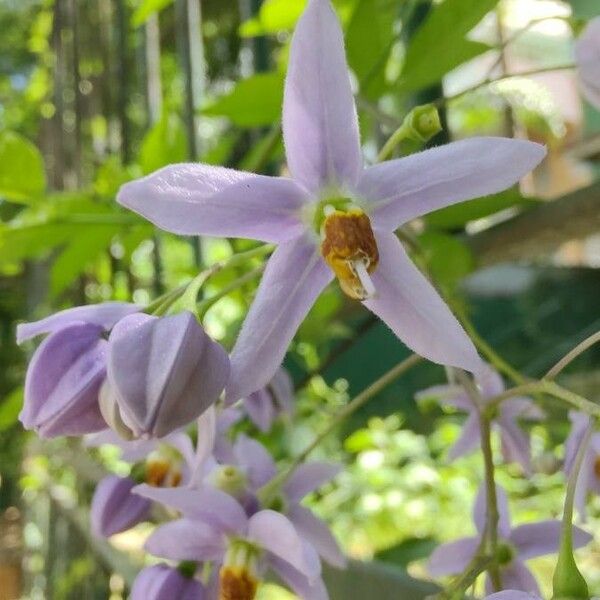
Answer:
[(274, 16), (253, 102), (457, 216), (32, 241), (79, 253), (440, 45), (146, 8), (448, 259), (22, 175), (584, 9), (407, 551), (10, 408), (368, 42), (164, 144)]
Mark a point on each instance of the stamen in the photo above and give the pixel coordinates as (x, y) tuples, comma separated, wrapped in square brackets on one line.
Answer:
[(365, 279)]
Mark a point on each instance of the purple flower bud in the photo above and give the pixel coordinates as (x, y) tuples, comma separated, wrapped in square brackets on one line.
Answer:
[(115, 508), (164, 372), (587, 57), (62, 383), (161, 582)]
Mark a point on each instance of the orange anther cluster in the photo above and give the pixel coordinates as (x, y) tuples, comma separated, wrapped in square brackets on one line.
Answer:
[(347, 239), (237, 584), (159, 473)]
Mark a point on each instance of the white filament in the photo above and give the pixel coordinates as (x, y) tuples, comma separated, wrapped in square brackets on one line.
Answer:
[(365, 279)]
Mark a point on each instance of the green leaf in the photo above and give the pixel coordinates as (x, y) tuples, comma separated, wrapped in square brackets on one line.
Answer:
[(585, 9), (457, 216), (164, 144), (407, 551), (274, 16), (10, 408), (146, 8), (368, 42), (448, 259), (253, 102), (440, 44), (22, 175), (78, 254)]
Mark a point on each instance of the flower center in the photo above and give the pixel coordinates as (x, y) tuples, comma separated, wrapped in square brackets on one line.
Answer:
[(505, 553), (230, 479), (237, 578), (349, 248), (163, 467)]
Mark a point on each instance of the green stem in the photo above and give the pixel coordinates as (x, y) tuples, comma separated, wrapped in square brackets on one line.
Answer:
[(270, 490), (388, 149), (572, 355)]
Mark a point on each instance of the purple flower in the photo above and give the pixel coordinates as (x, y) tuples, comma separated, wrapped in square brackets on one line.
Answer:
[(587, 58), (334, 218), (277, 398), (167, 463), (114, 508), (515, 443), (516, 545), (589, 475), (215, 528), (513, 595), (162, 373), (66, 371), (161, 582)]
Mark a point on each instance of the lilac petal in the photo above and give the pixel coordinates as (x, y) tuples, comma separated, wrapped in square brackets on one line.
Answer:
[(490, 382), (216, 508), (320, 126), (400, 190), (295, 275), (303, 587), (309, 477), (62, 383), (260, 409), (515, 444), (161, 582), (276, 534), (448, 393), (538, 539), (317, 533), (104, 315), (585, 479), (580, 423), (512, 595), (468, 440), (587, 57), (479, 511), (414, 311), (522, 408), (165, 371), (516, 576), (114, 508), (453, 557), (187, 539), (257, 462), (282, 388), (195, 199)]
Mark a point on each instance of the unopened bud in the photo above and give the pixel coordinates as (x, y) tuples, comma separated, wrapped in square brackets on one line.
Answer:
[(230, 479), (109, 408), (422, 123)]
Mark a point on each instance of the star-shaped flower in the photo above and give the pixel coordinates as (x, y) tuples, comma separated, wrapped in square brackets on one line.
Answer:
[(333, 217)]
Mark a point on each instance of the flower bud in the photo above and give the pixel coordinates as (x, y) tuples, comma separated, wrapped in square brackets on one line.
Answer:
[(63, 381), (114, 508), (587, 58), (230, 479), (568, 582), (111, 412), (161, 582), (422, 123), (164, 372)]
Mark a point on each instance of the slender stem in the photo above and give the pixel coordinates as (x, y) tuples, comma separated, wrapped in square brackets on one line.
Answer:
[(442, 101), (393, 141), (479, 563), (572, 355), (357, 402)]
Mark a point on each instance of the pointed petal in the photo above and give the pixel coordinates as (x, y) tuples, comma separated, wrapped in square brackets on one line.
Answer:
[(196, 199), (414, 311), (515, 444), (479, 511), (516, 576), (282, 388), (276, 534), (186, 539), (320, 126), (587, 57), (205, 445), (260, 409), (304, 588), (165, 371), (521, 408), (400, 190), (512, 595), (104, 315), (295, 275), (317, 533), (206, 504), (309, 477), (161, 582), (448, 393), (257, 462), (468, 440), (62, 383), (539, 539), (114, 508), (580, 422), (452, 558)]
